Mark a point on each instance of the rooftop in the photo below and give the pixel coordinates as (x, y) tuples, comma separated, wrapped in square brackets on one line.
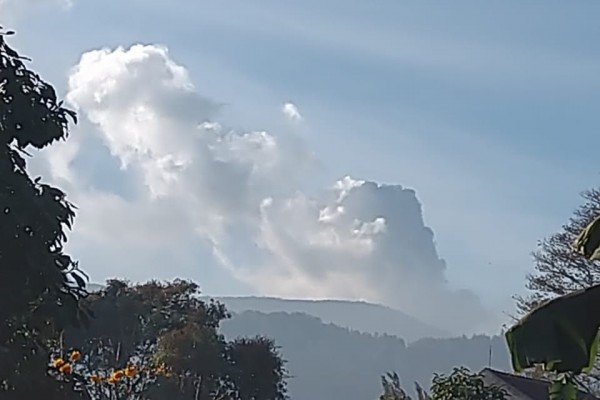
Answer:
[(534, 389)]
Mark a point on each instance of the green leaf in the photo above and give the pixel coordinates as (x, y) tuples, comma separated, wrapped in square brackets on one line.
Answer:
[(562, 334), (588, 242), (563, 389)]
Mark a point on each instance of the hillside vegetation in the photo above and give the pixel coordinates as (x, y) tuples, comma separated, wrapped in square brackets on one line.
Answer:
[(330, 362)]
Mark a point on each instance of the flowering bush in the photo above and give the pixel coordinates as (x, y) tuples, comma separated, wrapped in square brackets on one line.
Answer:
[(129, 382)]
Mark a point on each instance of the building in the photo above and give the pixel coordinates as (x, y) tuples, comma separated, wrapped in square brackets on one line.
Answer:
[(523, 388)]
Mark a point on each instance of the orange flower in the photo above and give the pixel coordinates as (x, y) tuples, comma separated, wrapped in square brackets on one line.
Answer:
[(66, 369), (161, 370), (57, 363), (75, 356), (112, 380), (130, 371), (117, 375), (95, 379)]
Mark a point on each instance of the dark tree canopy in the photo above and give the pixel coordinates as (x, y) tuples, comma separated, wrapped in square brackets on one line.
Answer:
[(39, 283), (257, 371), (168, 323)]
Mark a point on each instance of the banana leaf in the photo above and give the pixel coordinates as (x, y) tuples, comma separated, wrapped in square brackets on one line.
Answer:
[(562, 334), (563, 389), (588, 242)]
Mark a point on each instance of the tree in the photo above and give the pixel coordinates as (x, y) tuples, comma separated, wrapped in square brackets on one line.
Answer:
[(392, 389), (148, 326), (167, 327), (198, 358), (461, 384), (558, 269), (40, 285), (257, 370), (464, 385)]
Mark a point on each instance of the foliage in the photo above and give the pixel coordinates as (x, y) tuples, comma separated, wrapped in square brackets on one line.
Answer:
[(461, 384), (464, 385), (39, 284), (561, 334), (587, 242), (130, 319), (257, 372), (128, 382), (155, 324), (392, 390), (563, 387)]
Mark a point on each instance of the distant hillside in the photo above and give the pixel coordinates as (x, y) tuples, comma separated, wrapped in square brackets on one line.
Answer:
[(329, 362), (359, 316)]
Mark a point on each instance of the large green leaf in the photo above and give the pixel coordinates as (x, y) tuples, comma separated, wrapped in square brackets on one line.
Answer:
[(563, 389), (588, 242), (562, 334)]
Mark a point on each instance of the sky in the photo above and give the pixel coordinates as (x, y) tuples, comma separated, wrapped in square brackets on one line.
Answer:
[(406, 153)]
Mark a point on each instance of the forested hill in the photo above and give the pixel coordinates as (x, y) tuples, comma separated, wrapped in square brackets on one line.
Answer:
[(360, 316), (326, 361)]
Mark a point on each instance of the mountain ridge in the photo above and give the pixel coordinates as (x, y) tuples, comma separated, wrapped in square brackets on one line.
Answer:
[(358, 315), (361, 316)]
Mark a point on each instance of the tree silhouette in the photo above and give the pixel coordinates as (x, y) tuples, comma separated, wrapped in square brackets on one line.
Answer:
[(558, 269), (39, 284), (257, 370), (392, 389)]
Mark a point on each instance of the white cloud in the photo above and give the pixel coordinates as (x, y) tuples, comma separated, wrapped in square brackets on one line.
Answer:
[(187, 182), (360, 240), (154, 123), (290, 110)]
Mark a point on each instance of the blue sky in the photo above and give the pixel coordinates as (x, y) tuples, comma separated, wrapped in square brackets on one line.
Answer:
[(488, 110)]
